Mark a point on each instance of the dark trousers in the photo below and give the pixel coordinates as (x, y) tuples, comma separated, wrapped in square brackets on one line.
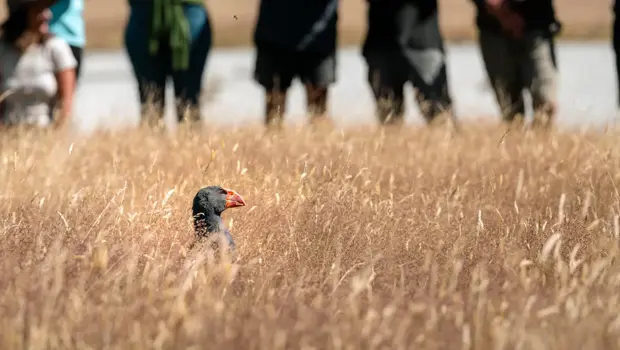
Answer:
[(275, 68), (426, 70), (152, 71), (514, 65), (77, 53)]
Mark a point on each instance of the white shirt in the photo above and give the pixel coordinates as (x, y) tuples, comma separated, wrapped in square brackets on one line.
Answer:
[(31, 78)]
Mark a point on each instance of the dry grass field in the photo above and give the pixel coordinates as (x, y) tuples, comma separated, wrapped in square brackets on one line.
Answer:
[(233, 20), (358, 239)]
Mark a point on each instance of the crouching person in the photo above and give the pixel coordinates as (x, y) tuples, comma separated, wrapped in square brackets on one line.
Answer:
[(37, 70), (296, 39), (517, 44), (404, 44)]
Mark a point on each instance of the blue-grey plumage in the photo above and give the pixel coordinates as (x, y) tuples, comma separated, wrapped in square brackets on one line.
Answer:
[(208, 205)]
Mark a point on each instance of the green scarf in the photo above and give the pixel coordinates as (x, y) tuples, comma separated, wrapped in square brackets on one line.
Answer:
[(168, 18)]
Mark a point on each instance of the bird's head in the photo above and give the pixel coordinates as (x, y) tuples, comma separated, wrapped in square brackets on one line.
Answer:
[(214, 200)]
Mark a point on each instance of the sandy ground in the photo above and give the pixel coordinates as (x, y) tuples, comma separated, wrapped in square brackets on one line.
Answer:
[(107, 95), (233, 20)]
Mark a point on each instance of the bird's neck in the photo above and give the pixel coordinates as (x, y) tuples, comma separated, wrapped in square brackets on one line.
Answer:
[(208, 224)]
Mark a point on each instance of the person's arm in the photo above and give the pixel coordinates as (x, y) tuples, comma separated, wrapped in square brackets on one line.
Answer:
[(64, 68), (66, 89)]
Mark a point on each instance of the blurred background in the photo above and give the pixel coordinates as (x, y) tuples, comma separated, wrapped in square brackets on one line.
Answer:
[(233, 21), (107, 95)]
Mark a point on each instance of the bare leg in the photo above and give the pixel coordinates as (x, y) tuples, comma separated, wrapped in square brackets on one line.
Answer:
[(275, 108), (544, 115), (436, 110), (390, 105), (317, 103), (541, 73), (387, 77), (152, 107)]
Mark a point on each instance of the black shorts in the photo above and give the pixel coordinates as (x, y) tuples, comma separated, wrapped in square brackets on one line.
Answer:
[(276, 68), (388, 71)]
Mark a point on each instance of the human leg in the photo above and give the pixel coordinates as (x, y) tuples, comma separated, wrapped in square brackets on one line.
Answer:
[(77, 54), (188, 83), (149, 70), (504, 74), (387, 77), (316, 98), (540, 75), (317, 72), (430, 78), (274, 71)]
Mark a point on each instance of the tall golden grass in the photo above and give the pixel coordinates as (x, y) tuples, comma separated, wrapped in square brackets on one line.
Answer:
[(359, 239)]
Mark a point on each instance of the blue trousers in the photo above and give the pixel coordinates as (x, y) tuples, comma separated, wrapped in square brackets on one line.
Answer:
[(152, 71)]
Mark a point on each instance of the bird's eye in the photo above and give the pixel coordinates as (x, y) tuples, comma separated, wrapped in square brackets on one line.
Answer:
[(223, 191)]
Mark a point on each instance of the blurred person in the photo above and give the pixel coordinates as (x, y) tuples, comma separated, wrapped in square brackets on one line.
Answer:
[(518, 48), (404, 44), (67, 23), (37, 69), (168, 38), (296, 39)]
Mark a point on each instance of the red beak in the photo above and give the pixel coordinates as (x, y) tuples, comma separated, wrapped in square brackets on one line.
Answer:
[(233, 199)]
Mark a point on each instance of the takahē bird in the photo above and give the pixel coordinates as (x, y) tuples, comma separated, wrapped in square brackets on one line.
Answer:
[(209, 203)]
